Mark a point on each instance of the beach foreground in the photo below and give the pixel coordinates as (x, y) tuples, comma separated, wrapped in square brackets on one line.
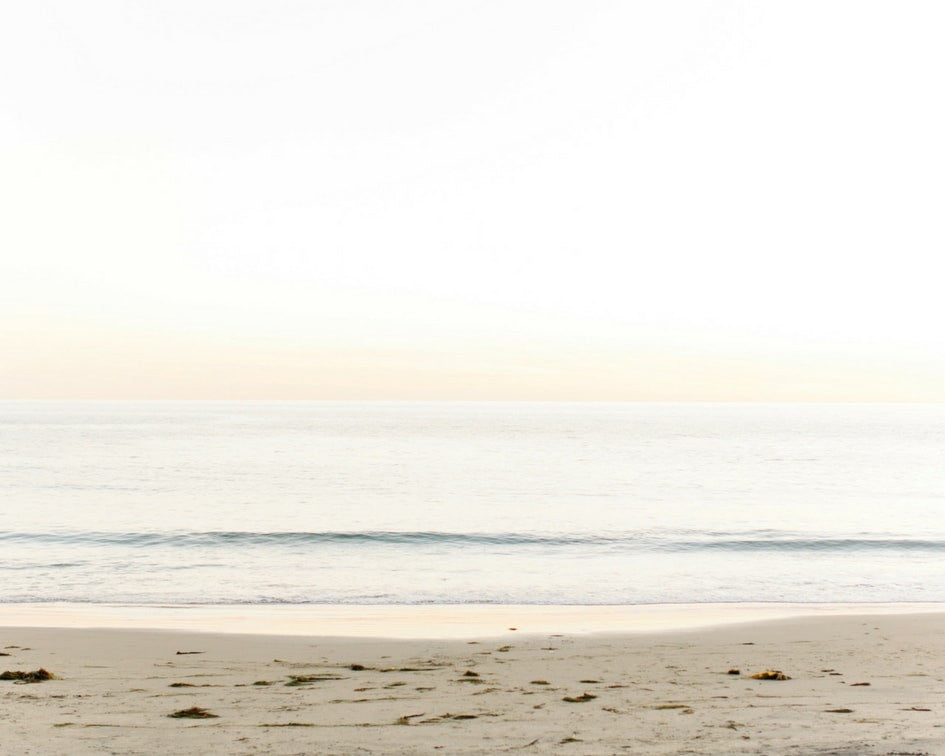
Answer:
[(860, 684)]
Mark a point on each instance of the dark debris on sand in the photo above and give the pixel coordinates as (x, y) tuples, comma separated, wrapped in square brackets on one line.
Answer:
[(770, 674), (583, 698), (36, 676), (194, 712)]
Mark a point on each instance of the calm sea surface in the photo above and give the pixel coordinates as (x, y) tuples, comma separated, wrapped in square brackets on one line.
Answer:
[(598, 503)]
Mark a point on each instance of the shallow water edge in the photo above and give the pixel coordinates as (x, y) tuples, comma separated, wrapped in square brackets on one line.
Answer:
[(431, 621)]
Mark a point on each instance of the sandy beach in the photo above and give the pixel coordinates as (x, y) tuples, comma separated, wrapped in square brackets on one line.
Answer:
[(859, 684)]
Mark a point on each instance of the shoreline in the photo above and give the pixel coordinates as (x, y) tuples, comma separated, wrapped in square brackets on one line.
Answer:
[(860, 683), (431, 621)]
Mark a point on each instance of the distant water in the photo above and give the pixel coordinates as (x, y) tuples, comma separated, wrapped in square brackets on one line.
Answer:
[(400, 503)]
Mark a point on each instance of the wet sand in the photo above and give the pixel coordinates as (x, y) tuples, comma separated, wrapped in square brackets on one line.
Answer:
[(860, 684)]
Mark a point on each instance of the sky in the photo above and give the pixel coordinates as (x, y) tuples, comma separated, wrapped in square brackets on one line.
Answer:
[(653, 201)]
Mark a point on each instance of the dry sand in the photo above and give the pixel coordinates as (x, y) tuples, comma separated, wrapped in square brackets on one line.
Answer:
[(860, 684)]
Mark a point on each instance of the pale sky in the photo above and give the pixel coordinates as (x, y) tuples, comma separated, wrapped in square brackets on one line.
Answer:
[(472, 200)]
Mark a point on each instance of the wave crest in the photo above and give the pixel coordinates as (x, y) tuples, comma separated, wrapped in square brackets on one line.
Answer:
[(634, 542)]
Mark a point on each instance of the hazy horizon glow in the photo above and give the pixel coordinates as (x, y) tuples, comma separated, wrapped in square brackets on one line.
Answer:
[(472, 200)]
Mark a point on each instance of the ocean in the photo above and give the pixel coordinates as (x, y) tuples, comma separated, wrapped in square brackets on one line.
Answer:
[(156, 503)]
